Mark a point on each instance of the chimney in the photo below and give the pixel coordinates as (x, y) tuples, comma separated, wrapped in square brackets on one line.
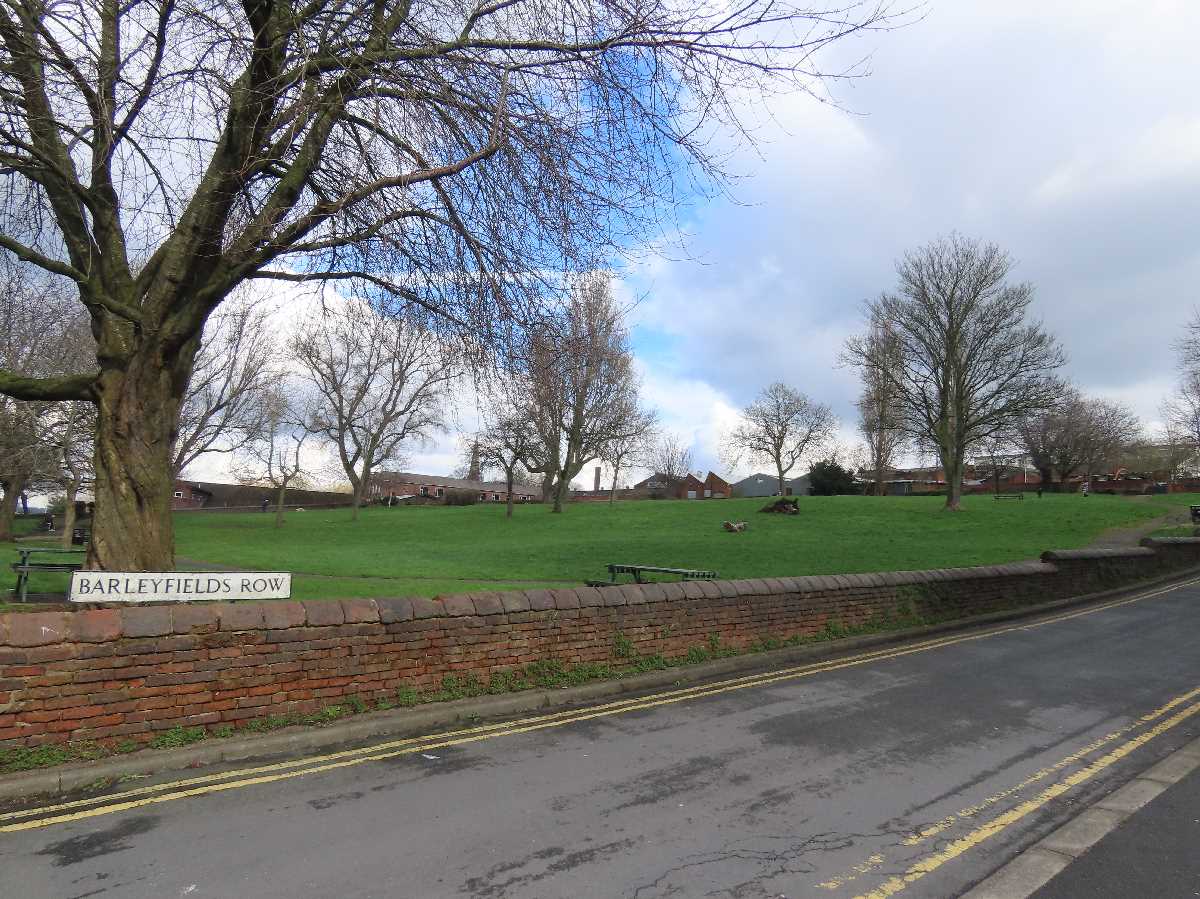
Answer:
[(597, 488), (473, 472)]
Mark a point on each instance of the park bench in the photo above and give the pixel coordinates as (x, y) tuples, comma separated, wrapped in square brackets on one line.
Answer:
[(685, 574), (26, 566), (999, 496)]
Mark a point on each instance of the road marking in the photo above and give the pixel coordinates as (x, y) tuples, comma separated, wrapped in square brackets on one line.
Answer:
[(877, 860), (957, 847), (215, 783)]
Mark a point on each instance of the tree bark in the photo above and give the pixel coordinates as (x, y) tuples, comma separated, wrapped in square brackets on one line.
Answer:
[(548, 486), (8, 509), (560, 493), (779, 471), (69, 513), (508, 484), (612, 494), (136, 421), (359, 488), (953, 466), (280, 499)]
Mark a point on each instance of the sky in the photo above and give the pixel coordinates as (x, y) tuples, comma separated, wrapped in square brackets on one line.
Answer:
[(1066, 132)]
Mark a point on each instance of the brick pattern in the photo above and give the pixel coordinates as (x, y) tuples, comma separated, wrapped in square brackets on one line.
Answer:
[(130, 672)]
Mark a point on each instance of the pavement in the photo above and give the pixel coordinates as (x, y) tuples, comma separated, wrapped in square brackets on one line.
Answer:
[(1153, 852), (912, 770)]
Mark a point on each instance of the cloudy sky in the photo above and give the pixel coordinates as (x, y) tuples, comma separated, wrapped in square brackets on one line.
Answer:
[(1066, 131)]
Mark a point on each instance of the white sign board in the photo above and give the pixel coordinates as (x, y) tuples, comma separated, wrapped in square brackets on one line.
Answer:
[(178, 586)]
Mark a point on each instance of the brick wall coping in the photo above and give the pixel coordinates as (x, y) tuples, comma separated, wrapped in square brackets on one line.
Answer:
[(100, 625), (1122, 552), (1169, 541)]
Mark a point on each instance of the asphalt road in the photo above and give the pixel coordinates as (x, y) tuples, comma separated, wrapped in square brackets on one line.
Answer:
[(1154, 852), (914, 773)]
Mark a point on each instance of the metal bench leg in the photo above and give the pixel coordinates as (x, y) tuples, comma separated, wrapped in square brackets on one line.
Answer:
[(22, 585)]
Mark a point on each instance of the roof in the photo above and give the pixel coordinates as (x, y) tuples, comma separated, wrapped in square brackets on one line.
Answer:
[(437, 480)]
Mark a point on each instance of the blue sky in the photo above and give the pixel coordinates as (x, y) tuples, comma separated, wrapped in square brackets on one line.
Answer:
[(1066, 132)]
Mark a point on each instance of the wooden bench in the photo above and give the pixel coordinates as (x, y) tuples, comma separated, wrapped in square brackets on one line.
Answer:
[(685, 574), (26, 566), (999, 496)]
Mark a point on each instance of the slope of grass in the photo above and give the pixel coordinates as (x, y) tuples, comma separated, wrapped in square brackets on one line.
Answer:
[(423, 549), (431, 550)]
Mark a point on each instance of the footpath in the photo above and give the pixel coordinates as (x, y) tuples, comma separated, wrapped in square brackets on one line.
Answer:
[(1154, 852)]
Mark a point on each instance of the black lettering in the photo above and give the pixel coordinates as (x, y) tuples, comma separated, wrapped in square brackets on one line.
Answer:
[(260, 584), (226, 585), (114, 584), (245, 585)]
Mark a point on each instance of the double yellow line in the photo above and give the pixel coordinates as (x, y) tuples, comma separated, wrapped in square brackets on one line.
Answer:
[(170, 791)]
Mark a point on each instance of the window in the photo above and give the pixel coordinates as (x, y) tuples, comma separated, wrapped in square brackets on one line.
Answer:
[(439, 492), (425, 491), (179, 494), (691, 494), (707, 493)]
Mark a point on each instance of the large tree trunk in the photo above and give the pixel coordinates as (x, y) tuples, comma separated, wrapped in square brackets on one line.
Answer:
[(69, 513), (359, 487), (560, 492), (136, 421), (548, 486), (8, 508), (280, 499), (612, 494), (953, 466), (780, 472), (508, 484)]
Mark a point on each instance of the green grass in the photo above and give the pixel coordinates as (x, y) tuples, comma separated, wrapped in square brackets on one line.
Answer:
[(432, 550), (427, 550)]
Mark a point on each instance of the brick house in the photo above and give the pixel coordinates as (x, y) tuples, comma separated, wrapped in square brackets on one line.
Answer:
[(659, 486), (189, 496), (410, 485)]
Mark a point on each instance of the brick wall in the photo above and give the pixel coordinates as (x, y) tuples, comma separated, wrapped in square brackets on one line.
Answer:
[(128, 673)]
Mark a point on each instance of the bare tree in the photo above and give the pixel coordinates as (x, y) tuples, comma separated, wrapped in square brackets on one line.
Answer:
[(580, 390), (223, 408), (503, 444), (157, 155), (781, 427), (276, 454), (879, 409), (971, 362), (1078, 432), (381, 380), (40, 335), (671, 461), (1181, 410), (630, 448)]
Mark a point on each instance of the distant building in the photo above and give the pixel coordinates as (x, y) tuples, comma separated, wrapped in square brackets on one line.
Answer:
[(659, 486), (190, 495), (410, 485), (768, 485)]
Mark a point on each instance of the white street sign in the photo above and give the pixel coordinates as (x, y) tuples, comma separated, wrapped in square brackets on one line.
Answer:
[(178, 586)]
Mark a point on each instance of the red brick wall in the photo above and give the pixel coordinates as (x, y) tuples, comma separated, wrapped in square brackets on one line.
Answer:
[(130, 672)]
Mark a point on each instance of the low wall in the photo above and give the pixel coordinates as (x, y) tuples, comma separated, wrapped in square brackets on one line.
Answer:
[(104, 673)]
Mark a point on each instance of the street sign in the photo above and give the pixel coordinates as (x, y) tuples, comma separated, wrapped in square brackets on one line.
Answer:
[(178, 586)]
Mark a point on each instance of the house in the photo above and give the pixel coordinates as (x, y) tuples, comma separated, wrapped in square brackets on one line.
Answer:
[(716, 487), (411, 485), (660, 486), (192, 495), (189, 496), (768, 485)]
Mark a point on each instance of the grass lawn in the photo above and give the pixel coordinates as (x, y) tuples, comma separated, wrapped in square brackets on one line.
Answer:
[(431, 550), (427, 550)]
